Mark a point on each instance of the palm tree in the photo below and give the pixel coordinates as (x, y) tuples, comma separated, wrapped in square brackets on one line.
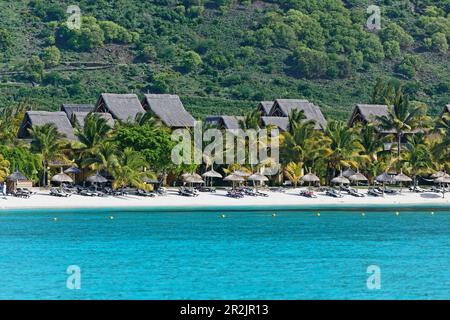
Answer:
[(418, 158), (441, 149), (48, 143), (127, 169), (344, 146), (10, 119), (96, 129), (295, 119), (402, 118), (146, 118), (251, 120), (294, 171), (104, 157)]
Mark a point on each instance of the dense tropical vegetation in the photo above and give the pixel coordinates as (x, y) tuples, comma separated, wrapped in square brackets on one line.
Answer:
[(132, 151), (223, 55)]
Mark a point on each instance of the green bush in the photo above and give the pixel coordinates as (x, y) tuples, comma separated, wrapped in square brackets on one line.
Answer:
[(51, 56)]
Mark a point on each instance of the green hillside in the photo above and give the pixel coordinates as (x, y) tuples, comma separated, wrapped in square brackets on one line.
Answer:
[(223, 56)]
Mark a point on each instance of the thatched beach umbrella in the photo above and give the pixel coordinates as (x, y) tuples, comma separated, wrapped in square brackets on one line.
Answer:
[(211, 175), (242, 173), (441, 180), (257, 177), (234, 178), (72, 170), (401, 177), (348, 172), (310, 178), (358, 177), (438, 174), (96, 178), (384, 178), (61, 178), (341, 180), (16, 176), (193, 178)]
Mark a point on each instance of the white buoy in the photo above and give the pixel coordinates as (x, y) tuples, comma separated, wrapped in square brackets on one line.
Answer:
[(274, 215), (111, 218), (318, 214), (363, 214), (397, 213), (223, 216), (432, 213), (55, 219)]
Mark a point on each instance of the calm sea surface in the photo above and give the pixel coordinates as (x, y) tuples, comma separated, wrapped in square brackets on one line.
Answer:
[(246, 255)]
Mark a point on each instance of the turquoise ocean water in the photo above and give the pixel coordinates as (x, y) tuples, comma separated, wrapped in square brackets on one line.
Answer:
[(246, 255)]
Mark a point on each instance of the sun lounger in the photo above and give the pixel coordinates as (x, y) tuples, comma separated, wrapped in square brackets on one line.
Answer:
[(143, 193), (333, 193), (353, 192), (374, 193), (235, 194), (87, 193), (308, 194), (205, 189), (183, 191), (58, 193)]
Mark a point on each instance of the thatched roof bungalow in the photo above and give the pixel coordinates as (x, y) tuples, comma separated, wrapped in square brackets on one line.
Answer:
[(79, 118), (70, 109), (281, 123), (123, 107), (264, 108), (169, 109), (224, 122), (446, 111), (284, 107), (367, 114), (40, 118)]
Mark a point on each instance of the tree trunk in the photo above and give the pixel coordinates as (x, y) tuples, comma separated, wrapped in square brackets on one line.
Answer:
[(399, 148)]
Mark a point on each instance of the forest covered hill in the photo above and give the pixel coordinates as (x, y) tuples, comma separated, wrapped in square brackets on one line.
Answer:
[(223, 56)]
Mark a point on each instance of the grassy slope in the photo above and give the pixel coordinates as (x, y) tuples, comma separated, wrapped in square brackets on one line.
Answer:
[(336, 97)]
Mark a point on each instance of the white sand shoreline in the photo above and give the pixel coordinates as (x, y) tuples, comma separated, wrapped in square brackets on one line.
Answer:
[(41, 200)]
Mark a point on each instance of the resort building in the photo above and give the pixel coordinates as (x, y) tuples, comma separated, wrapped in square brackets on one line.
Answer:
[(224, 122), (40, 118), (367, 114), (284, 107), (123, 107), (169, 109), (264, 108), (281, 123)]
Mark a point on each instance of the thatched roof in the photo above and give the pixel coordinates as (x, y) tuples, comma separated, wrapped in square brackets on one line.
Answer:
[(123, 107), (367, 113), (281, 123), (284, 107), (70, 109), (40, 118), (224, 122), (169, 109), (80, 118), (264, 107)]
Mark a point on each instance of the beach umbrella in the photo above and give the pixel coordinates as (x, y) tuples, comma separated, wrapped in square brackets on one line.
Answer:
[(257, 177), (16, 176), (72, 170), (401, 177), (384, 178), (441, 180), (211, 175), (150, 181), (96, 178), (234, 178), (357, 177), (61, 178), (242, 173), (193, 179), (310, 178), (438, 174), (348, 172), (340, 180)]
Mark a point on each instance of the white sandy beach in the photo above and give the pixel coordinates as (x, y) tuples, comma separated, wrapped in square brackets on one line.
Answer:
[(41, 200)]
